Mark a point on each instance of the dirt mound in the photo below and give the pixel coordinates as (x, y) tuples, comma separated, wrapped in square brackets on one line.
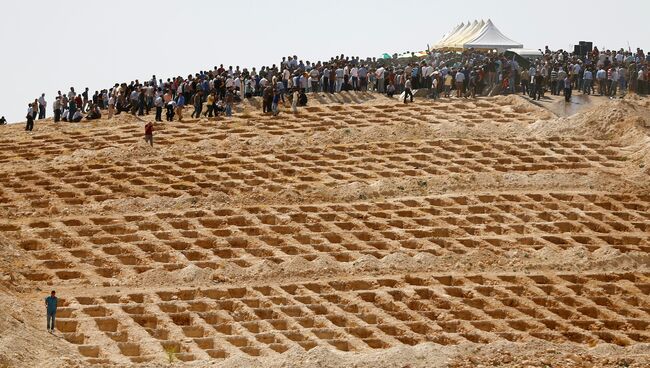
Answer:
[(623, 121)]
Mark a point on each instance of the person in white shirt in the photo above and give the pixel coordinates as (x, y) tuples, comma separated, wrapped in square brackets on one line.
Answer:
[(354, 74), (314, 76), (576, 75), (29, 126), (57, 109), (340, 73), (77, 116), (149, 92), (158, 104), (641, 84), (326, 79), (407, 89), (303, 82), (460, 81), (42, 104), (380, 79), (286, 75), (111, 106), (614, 82), (434, 87)]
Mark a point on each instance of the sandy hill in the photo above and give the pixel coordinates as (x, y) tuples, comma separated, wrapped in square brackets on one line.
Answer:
[(360, 232)]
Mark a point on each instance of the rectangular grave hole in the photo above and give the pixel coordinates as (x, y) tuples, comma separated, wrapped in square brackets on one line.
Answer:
[(89, 351), (129, 349)]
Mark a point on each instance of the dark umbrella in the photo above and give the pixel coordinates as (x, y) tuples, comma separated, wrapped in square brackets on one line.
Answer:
[(522, 61)]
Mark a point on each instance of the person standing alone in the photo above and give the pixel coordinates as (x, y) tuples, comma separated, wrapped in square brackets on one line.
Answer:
[(30, 118), (42, 104), (51, 304), (407, 90), (148, 133)]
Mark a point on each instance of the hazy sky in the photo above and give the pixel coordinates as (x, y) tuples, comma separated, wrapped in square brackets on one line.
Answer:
[(53, 45)]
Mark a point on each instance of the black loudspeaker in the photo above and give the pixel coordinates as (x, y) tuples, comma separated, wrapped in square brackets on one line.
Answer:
[(587, 47), (577, 50)]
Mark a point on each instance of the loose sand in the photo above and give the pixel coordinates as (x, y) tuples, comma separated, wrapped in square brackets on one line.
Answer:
[(361, 232)]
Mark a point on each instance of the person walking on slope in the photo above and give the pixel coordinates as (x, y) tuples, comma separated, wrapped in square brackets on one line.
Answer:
[(407, 90), (180, 104), (50, 306), (148, 133), (198, 105)]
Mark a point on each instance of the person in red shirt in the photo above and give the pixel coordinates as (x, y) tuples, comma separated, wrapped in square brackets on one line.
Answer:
[(148, 133), (79, 102)]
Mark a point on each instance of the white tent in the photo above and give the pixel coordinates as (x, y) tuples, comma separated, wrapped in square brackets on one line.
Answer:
[(469, 35), (448, 35), (468, 30), (445, 40), (491, 38), (477, 34)]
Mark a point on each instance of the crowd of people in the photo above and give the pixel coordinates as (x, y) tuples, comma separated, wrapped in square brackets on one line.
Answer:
[(610, 73), (442, 73)]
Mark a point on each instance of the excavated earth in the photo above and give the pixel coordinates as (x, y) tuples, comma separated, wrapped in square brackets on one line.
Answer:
[(361, 232)]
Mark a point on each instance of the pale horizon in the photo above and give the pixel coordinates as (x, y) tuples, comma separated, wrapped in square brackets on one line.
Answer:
[(134, 40)]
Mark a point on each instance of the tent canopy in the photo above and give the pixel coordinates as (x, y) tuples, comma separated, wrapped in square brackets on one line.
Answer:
[(444, 38), (491, 38), (478, 35), (460, 40), (445, 41)]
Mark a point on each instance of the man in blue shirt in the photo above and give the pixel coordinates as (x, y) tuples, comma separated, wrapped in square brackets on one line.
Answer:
[(587, 79), (50, 303), (180, 104), (414, 77), (363, 78)]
